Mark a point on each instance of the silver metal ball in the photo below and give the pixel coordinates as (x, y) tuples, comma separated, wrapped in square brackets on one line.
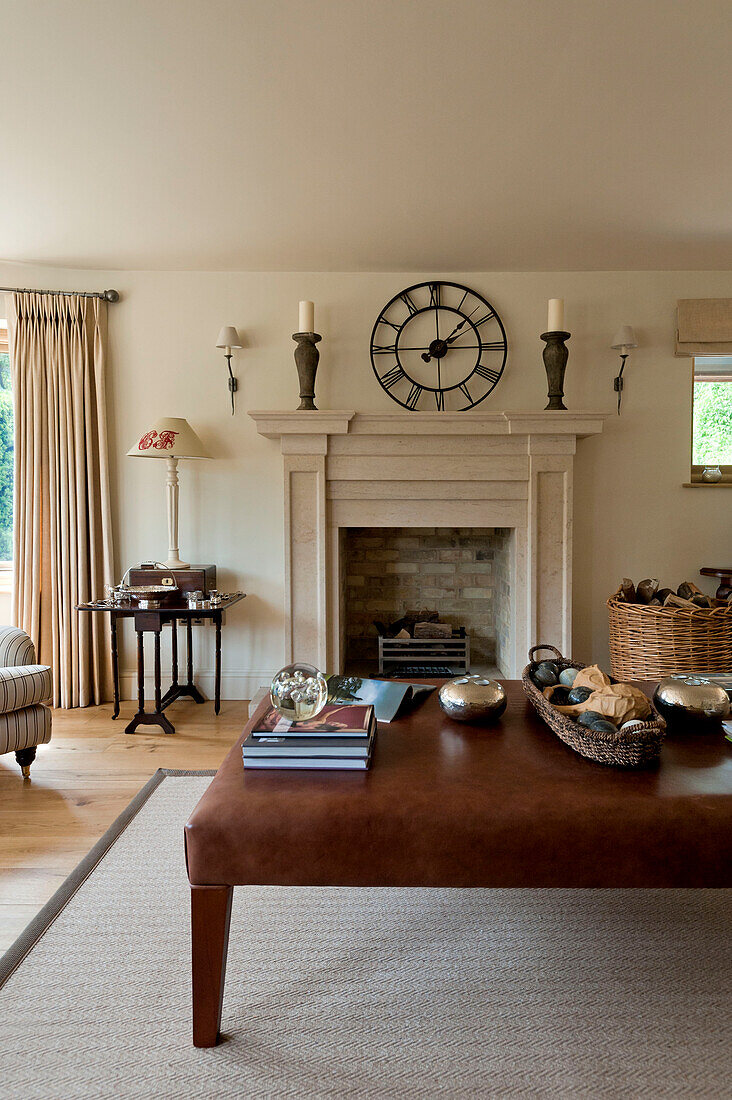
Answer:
[(472, 699), (689, 701)]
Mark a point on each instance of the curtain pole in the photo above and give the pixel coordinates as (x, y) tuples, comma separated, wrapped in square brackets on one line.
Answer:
[(105, 295)]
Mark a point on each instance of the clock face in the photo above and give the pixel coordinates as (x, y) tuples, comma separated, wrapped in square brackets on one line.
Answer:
[(438, 346)]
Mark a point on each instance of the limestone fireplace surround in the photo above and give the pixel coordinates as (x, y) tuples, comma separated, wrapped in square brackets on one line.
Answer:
[(399, 469)]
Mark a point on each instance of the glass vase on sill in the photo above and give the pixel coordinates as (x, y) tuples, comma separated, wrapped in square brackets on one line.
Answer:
[(711, 475)]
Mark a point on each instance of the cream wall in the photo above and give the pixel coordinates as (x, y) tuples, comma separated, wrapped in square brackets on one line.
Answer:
[(632, 516)]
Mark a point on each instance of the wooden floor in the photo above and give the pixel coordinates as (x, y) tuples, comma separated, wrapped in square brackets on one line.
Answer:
[(80, 782)]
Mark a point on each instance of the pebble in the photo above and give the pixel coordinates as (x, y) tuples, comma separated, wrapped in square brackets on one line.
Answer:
[(589, 717), (568, 677), (545, 674), (604, 726), (579, 695)]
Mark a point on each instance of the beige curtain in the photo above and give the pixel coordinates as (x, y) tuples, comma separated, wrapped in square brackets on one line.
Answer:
[(62, 539), (704, 326)]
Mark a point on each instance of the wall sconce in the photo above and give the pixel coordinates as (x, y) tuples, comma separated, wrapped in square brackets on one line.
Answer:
[(623, 342), (228, 339)]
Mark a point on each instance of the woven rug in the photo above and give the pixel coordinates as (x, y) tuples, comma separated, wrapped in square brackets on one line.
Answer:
[(363, 993)]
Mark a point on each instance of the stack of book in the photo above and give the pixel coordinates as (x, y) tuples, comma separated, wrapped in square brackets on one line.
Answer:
[(340, 737)]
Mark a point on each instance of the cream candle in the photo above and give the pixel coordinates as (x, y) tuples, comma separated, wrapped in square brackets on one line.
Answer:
[(555, 321), (306, 318)]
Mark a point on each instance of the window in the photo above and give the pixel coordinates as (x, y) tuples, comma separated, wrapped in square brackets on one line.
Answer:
[(711, 442), (6, 456)]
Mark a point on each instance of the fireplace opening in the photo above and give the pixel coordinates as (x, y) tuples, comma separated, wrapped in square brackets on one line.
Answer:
[(438, 596)]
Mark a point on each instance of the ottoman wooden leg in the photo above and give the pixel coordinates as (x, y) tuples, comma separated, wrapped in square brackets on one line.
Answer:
[(210, 919)]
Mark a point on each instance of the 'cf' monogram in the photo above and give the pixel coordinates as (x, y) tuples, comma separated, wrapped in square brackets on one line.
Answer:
[(161, 442)]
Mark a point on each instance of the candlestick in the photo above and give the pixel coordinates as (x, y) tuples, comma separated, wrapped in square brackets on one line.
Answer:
[(306, 317), (306, 361), (555, 320), (555, 357)]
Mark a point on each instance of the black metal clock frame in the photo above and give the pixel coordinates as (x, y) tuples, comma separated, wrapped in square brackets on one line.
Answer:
[(482, 313)]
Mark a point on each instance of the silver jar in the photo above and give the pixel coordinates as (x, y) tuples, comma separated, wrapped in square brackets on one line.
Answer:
[(472, 699), (688, 702)]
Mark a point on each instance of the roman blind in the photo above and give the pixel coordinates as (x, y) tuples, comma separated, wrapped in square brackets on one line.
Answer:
[(704, 326)]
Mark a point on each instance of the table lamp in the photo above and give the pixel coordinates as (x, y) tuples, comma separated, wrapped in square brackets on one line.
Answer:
[(171, 438)]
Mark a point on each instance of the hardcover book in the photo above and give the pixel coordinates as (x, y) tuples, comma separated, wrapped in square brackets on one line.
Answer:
[(277, 745), (335, 720), (321, 763)]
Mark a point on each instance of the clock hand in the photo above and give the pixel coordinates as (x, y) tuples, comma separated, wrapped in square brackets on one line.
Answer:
[(449, 339), (457, 336), (454, 335)]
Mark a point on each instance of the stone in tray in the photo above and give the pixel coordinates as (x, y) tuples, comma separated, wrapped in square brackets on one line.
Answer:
[(590, 718), (578, 695), (545, 674)]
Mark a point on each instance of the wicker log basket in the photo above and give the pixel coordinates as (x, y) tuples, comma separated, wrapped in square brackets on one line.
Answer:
[(647, 643), (631, 748)]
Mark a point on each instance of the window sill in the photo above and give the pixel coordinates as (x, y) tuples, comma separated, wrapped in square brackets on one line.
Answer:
[(707, 485)]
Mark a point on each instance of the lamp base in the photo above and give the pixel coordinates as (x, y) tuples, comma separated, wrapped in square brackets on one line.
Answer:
[(176, 563)]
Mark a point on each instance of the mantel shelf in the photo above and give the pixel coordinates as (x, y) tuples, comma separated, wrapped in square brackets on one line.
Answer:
[(276, 423)]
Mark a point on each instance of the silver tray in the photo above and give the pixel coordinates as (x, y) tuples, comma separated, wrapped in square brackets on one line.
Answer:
[(148, 591)]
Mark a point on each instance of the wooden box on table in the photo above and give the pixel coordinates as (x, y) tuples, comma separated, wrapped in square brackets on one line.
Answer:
[(197, 578)]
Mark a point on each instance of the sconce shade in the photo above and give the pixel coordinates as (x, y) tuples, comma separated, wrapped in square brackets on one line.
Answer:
[(229, 338), (169, 437), (624, 338)]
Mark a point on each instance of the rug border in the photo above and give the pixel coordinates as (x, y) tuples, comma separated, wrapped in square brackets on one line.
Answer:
[(31, 934)]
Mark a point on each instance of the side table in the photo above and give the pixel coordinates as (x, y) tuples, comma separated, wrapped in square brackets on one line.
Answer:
[(152, 622), (725, 581)]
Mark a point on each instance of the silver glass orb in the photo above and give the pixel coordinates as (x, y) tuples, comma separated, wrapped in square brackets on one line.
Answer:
[(298, 692), (472, 699), (691, 701)]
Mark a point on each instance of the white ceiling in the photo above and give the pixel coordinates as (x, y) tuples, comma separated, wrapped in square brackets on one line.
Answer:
[(367, 134)]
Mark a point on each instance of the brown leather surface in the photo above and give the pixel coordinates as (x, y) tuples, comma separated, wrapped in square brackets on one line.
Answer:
[(446, 804)]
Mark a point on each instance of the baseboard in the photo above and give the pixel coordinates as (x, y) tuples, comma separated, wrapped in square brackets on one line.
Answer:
[(236, 684)]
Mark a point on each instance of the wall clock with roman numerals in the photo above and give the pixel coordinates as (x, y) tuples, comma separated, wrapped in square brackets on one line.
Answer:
[(438, 346)]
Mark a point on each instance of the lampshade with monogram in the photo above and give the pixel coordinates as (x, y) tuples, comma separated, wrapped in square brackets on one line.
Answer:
[(171, 438)]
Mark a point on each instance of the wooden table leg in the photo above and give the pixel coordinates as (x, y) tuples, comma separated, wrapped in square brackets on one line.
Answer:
[(158, 693), (217, 686), (143, 717), (210, 920), (189, 689), (173, 691), (174, 650), (115, 663), (140, 672), (189, 648)]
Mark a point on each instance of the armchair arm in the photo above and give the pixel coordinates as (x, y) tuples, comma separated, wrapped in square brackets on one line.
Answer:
[(23, 685), (16, 648)]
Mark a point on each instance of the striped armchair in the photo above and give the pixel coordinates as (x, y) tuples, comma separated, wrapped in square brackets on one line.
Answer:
[(24, 687)]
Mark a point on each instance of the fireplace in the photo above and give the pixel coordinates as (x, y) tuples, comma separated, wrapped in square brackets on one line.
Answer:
[(439, 471), (460, 575)]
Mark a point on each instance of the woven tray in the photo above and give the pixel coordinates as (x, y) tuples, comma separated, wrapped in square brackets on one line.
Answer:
[(625, 749), (647, 643)]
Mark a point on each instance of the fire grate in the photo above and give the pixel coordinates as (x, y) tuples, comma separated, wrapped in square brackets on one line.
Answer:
[(416, 672), (430, 654)]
